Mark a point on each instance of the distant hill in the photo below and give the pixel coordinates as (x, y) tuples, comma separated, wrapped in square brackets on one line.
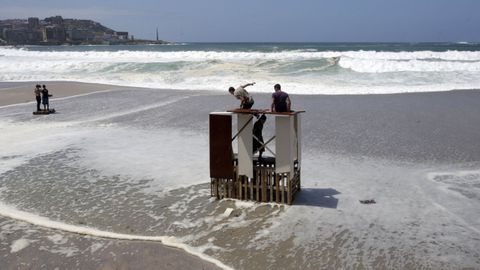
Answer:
[(88, 25), (56, 31)]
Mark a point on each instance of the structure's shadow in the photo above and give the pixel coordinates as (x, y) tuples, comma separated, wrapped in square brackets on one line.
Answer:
[(321, 197)]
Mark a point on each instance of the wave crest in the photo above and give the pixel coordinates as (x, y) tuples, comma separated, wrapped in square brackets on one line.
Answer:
[(302, 71)]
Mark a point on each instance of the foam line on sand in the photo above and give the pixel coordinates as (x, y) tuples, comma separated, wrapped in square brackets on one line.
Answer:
[(11, 212)]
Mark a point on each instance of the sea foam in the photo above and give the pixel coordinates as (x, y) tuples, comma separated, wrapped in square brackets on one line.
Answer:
[(11, 212)]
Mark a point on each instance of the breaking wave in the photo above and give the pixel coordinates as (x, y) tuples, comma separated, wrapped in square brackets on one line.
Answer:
[(301, 71)]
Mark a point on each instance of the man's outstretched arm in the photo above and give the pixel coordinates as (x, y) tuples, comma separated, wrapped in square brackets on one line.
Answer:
[(248, 84)]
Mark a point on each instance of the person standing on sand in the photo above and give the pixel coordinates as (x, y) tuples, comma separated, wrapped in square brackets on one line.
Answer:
[(242, 94), (280, 100), (45, 97), (37, 92)]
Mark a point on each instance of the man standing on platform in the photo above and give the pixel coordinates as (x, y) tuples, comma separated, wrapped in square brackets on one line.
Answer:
[(280, 100), (258, 136), (243, 95)]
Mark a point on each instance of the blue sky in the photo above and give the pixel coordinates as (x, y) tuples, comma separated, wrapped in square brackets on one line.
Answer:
[(269, 20)]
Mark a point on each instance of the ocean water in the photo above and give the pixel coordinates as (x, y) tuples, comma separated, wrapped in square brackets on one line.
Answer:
[(301, 68)]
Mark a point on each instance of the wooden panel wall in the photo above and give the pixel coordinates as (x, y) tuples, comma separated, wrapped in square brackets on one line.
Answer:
[(221, 154)]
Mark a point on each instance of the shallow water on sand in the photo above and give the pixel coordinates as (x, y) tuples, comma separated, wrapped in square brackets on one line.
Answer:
[(136, 162)]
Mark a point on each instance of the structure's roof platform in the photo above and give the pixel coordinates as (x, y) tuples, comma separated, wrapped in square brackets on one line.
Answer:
[(250, 111)]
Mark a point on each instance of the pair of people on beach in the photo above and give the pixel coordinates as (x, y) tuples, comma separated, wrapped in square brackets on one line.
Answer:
[(280, 100), (280, 103), (42, 96)]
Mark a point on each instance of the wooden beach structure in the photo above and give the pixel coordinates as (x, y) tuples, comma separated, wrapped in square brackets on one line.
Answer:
[(242, 176)]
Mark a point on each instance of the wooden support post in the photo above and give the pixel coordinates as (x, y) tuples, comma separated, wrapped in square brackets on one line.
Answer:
[(257, 184), (239, 179), (229, 189), (283, 188), (220, 186), (245, 186), (224, 189), (272, 181), (277, 188), (251, 189), (289, 189), (264, 184)]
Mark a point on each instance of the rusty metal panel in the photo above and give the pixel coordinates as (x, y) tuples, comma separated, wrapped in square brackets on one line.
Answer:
[(221, 154)]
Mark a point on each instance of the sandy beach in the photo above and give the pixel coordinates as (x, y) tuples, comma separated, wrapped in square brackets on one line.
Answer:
[(21, 92), (135, 161)]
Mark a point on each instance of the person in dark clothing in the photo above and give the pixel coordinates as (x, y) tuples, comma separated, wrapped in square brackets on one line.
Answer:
[(280, 100), (258, 136), (45, 97), (37, 91)]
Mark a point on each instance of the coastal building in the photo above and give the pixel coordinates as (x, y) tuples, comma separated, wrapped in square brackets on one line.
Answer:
[(55, 20), (3, 28), (54, 34), (33, 23), (79, 35), (122, 35), (16, 36)]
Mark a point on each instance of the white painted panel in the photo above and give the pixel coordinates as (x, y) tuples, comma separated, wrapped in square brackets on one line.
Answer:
[(284, 144), (245, 145), (298, 136)]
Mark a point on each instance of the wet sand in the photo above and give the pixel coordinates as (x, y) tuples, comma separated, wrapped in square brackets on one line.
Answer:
[(90, 252), (87, 252), (22, 92), (416, 154)]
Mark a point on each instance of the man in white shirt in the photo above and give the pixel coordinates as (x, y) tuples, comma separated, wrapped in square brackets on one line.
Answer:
[(242, 94)]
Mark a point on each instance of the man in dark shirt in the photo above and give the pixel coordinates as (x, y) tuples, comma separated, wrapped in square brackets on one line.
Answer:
[(45, 96), (258, 136), (280, 100)]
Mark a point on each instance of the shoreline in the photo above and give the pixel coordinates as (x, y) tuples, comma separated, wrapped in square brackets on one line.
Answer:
[(84, 231), (21, 92)]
